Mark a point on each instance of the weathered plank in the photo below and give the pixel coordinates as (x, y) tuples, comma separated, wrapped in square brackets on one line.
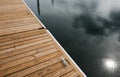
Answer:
[(25, 49), (28, 58), (7, 2), (22, 35), (24, 42), (71, 74), (12, 7), (35, 68), (15, 17), (8, 59), (46, 70), (18, 22), (23, 46), (11, 30), (60, 72), (29, 64)]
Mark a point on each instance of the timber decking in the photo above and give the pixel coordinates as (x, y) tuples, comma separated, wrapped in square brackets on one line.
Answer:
[(15, 17), (26, 48)]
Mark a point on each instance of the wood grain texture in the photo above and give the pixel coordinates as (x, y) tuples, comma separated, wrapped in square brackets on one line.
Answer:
[(47, 70), (15, 17)]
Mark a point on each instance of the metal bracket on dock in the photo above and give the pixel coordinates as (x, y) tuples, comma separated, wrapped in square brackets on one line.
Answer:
[(64, 62)]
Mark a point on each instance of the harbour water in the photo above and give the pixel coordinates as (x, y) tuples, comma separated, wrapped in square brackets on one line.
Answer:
[(89, 30)]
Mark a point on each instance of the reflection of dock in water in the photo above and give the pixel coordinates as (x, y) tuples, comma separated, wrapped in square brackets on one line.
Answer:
[(38, 6), (52, 2)]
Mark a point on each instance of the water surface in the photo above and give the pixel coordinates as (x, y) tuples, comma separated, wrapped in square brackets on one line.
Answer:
[(89, 30)]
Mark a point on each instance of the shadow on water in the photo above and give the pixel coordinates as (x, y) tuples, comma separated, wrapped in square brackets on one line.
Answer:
[(89, 30)]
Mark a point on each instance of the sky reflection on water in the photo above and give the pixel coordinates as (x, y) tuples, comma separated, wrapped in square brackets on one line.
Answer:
[(89, 30)]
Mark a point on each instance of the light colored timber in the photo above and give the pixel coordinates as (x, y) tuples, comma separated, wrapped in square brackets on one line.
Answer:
[(23, 42), (14, 41), (14, 15), (11, 30), (47, 70), (26, 54), (7, 2), (60, 72), (25, 59), (23, 46), (35, 68), (8, 39), (26, 48), (12, 7), (12, 19), (29, 64), (17, 22), (71, 74)]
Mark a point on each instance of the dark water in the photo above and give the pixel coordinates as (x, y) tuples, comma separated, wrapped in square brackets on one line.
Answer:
[(89, 30)]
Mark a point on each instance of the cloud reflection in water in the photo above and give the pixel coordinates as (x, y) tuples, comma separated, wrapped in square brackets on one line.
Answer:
[(102, 19)]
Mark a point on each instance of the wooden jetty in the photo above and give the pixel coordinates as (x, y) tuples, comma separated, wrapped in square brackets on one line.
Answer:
[(27, 49)]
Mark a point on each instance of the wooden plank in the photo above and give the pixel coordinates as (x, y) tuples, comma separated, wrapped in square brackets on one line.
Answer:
[(14, 15), (16, 12), (46, 70), (12, 7), (21, 35), (25, 59), (35, 68), (61, 71), (19, 29), (23, 46), (7, 2), (29, 64), (18, 22), (17, 57), (20, 40), (20, 43), (25, 42), (29, 33), (26, 49), (45, 52), (16, 62), (8, 59), (31, 41), (71, 74)]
